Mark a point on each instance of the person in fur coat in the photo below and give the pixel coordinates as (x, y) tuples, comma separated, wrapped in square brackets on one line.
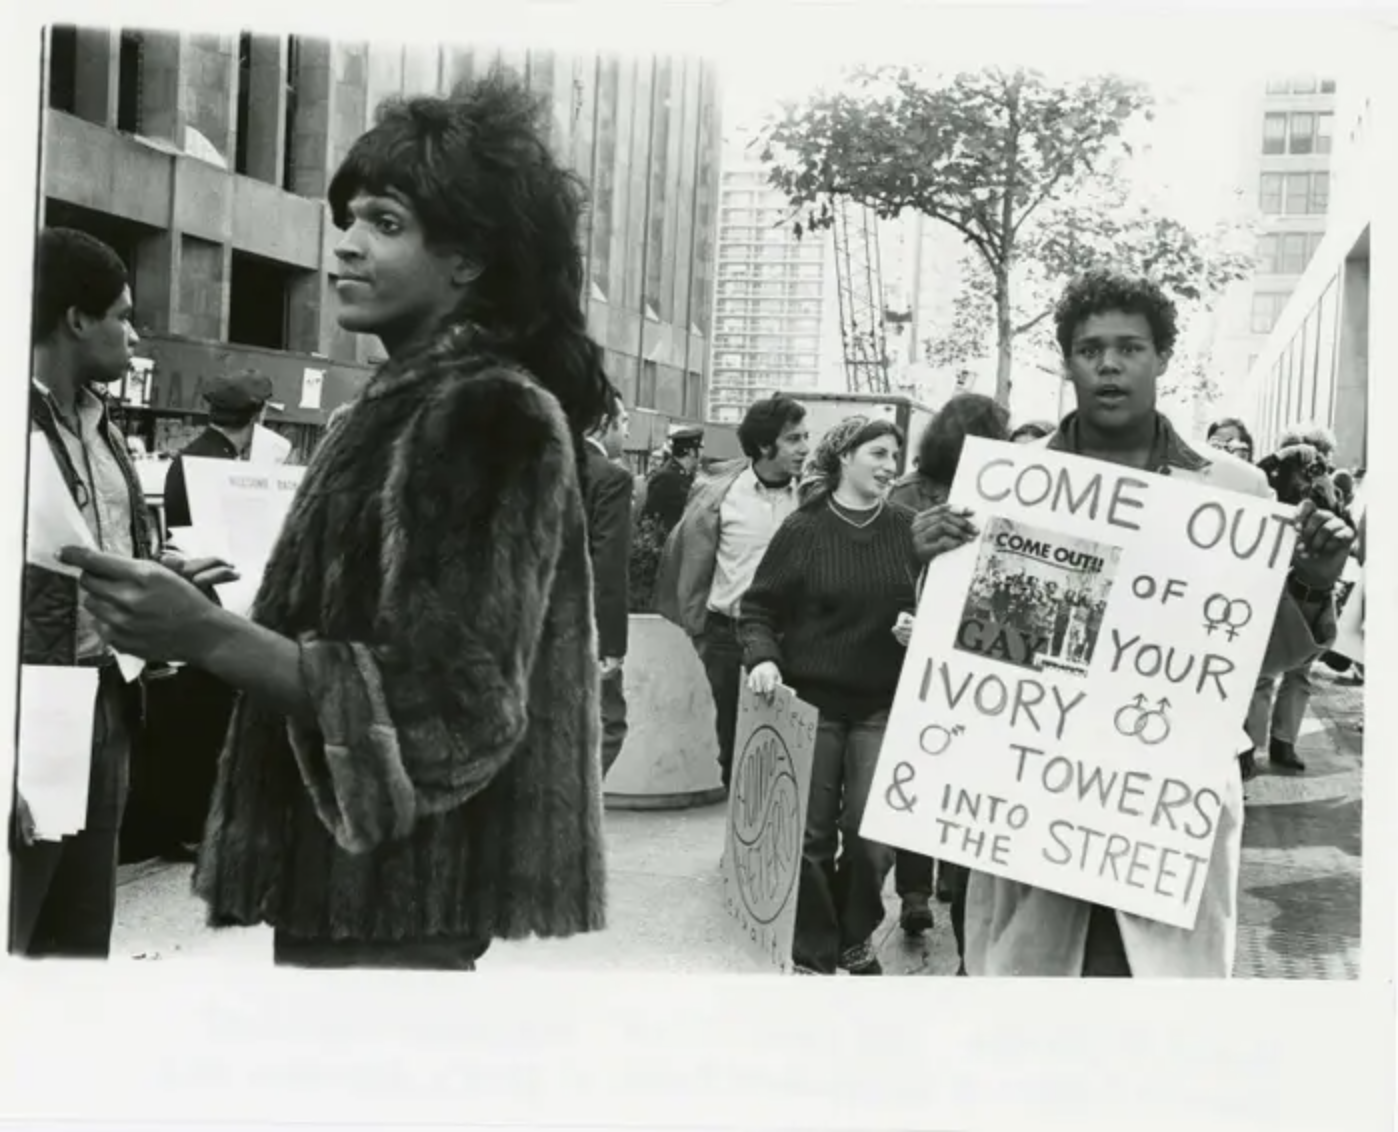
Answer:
[(413, 768)]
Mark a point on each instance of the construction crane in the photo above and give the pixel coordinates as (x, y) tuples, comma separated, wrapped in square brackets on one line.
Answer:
[(860, 289)]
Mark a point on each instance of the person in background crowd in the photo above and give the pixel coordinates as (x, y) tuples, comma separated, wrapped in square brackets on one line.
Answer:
[(939, 453), (668, 487), (1116, 334), (63, 893), (236, 403), (607, 499), (1298, 470), (1232, 436), (823, 616), (188, 711), (413, 768), (713, 552), (1031, 431)]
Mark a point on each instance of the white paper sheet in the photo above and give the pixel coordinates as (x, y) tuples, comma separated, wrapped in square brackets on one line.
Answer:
[(57, 707), (312, 385), (54, 519), (54, 522)]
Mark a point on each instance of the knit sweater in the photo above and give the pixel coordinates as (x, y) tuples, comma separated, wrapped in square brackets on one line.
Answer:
[(823, 605)]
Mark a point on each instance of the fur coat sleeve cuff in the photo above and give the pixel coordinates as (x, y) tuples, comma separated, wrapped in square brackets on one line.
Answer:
[(350, 759)]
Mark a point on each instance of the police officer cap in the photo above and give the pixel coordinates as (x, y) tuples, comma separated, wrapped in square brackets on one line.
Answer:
[(686, 434), (238, 392)]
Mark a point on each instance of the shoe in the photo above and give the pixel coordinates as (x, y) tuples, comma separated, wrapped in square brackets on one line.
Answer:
[(1283, 756), (861, 960), (916, 916), (1247, 763), (961, 971)]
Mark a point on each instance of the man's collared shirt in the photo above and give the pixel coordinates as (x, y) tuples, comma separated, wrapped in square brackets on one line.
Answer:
[(1168, 451), (749, 516), (104, 499)]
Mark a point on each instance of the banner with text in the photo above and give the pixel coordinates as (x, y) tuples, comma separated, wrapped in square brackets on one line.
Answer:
[(1076, 677), (237, 510), (773, 750)]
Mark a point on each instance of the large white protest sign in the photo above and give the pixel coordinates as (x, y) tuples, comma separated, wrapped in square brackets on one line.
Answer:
[(237, 510), (773, 750), (1077, 676)]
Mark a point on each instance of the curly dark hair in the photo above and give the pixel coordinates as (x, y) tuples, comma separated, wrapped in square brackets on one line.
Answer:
[(1101, 290), (966, 414), (765, 421), (475, 169)]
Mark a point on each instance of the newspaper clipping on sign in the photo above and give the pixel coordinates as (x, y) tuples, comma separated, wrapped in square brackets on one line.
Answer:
[(773, 750), (1076, 677)]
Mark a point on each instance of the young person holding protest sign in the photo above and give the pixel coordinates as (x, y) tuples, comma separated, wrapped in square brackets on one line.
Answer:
[(824, 615), (939, 451), (1116, 334), (413, 769)]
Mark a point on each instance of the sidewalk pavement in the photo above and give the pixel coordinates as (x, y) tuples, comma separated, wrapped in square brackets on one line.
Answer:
[(1298, 900)]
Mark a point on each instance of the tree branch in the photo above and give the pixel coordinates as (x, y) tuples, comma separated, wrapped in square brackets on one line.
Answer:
[(1033, 322)]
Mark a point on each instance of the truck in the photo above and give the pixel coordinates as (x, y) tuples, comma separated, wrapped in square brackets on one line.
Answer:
[(824, 410)]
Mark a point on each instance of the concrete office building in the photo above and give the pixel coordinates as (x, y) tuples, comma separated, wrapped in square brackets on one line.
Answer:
[(204, 160), (775, 316), (1314, 363)]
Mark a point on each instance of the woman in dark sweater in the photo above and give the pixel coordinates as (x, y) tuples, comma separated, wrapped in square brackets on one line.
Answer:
[(939, 452), (822, 616)]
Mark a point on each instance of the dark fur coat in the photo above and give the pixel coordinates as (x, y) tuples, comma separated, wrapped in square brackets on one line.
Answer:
[(434, 566)]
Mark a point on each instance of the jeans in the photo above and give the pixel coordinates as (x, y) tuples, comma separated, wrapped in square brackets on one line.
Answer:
[(445, 954), (63, 893), (912, 874), (1293, 696), (613, 717), (1104, 957), (722, 657), (840, 900)]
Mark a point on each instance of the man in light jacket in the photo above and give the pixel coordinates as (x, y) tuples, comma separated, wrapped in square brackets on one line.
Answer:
[(1116, 334), (712, 554)]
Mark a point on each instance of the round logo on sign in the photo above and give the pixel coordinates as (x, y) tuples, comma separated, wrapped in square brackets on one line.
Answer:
[(764, 827)]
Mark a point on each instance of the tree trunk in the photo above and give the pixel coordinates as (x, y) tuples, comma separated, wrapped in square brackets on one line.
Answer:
[(1004, 339)]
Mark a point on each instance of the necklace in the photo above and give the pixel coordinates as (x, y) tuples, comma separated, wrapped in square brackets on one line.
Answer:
[(840, 511)]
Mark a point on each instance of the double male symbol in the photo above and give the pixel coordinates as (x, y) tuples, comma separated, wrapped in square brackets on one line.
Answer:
[(1227, 613), (1148, 724)]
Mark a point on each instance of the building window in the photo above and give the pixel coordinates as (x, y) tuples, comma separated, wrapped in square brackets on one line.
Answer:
[(1302, 134), (63, 68), (1313, 240), (1320, 194), (1278, 86), (258, 298), (293, 78), (1324, 133), (1304, 85), (1267, 254), (1293, 254), (1270, 196), (1266, 308), (240, 145), (1327, 86), (1274, 133), (129, 62), (1298, 194)]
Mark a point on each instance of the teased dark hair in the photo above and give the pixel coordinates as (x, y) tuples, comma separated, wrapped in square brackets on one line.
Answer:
[(1100, 290), (765, 421), (73, 269), (966, 414), (477, 173)]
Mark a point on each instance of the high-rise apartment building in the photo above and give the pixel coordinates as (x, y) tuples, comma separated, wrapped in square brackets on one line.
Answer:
[(1288, 139), (204, 160), (772, 318)]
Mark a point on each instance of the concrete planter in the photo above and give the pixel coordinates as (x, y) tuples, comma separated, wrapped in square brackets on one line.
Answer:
[(670, 758)]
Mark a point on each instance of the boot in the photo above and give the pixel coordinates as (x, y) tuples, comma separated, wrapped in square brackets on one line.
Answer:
[(1283, 756), (916, 916), (861, 960)]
